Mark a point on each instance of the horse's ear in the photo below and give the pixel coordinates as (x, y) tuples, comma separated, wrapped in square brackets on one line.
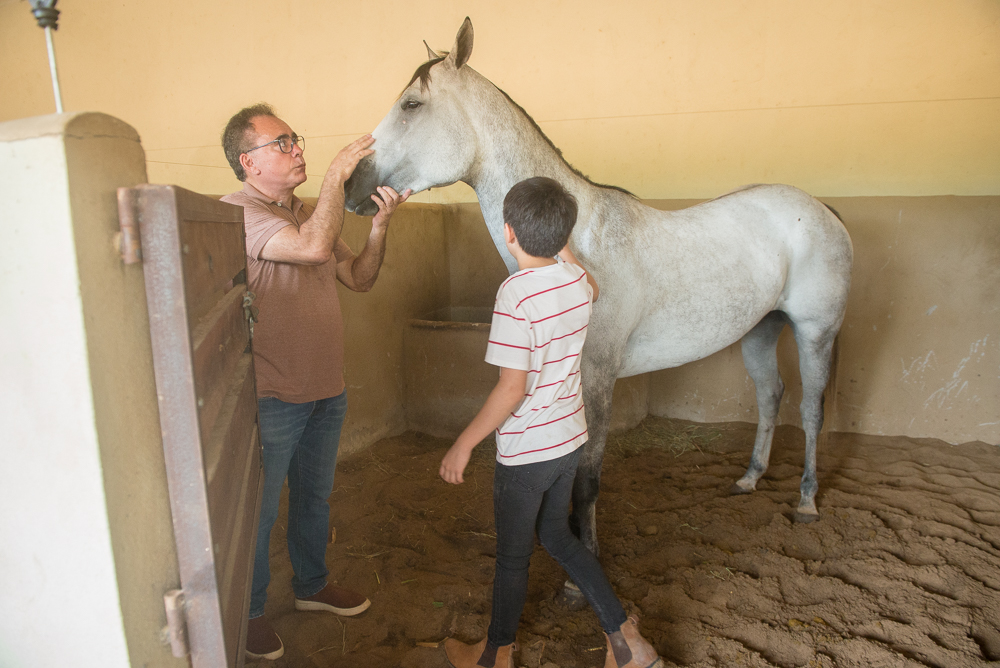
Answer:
[(463, 44), (431, 54)]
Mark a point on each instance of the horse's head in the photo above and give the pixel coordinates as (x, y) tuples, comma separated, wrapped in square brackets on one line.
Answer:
[(425, 140)]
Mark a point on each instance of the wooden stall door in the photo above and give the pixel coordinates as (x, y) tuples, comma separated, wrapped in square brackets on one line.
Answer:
[(194, 263)]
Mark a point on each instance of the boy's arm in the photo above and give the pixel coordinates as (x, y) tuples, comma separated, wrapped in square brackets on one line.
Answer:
[(504, 398), (567, 255)]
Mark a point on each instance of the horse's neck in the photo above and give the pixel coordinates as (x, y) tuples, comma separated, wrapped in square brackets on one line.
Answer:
[(510, 156), (511, 150)]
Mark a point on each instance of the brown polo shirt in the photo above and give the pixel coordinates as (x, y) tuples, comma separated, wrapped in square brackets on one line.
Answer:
[(298, 341)]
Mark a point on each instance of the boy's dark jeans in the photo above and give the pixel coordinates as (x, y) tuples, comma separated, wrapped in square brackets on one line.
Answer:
[(536, 496)]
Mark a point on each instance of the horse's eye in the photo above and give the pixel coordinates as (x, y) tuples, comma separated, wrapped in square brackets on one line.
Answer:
[(410, 105)]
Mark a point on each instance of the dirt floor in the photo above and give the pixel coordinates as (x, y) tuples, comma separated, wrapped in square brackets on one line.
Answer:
[(903, 568)]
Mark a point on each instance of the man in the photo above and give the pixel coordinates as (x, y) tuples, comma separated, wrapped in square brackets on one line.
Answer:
[(294, 257)]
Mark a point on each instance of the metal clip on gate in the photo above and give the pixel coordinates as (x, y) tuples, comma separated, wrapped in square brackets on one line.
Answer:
[(249, 310)]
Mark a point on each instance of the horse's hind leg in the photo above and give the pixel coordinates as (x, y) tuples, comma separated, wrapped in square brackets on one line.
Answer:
[(815, 353), (760, 355)]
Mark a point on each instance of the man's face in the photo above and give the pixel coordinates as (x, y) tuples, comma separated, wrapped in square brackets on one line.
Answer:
[(277, 170)]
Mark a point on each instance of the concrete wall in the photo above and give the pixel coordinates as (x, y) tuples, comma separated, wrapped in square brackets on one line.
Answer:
[(413, 281), (668, 98), (87, 549)]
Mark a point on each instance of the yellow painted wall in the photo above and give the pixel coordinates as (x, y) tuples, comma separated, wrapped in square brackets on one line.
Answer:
[(668, 98)]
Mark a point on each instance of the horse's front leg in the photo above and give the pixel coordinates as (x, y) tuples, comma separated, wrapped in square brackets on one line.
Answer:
[(598, 389)]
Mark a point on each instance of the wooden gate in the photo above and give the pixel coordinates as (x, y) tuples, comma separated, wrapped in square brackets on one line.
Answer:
[(194, 262)]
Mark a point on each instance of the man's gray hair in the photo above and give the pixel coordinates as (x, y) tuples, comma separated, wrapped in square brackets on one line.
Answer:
[(239, 133)]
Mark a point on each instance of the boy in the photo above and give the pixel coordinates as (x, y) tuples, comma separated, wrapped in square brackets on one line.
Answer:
[(539, 327)]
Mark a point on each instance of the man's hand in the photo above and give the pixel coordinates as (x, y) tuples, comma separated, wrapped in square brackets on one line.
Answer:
[(454, 463), (387, 200), (314, 240), (343, 165)]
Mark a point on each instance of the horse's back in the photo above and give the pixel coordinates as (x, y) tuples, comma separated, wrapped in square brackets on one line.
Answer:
[(820, 254), (701, 277)]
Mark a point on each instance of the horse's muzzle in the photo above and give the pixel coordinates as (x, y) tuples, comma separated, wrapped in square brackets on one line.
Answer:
[(360, 187)]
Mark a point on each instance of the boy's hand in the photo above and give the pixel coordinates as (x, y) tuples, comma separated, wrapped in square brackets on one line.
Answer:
[(454, 463)]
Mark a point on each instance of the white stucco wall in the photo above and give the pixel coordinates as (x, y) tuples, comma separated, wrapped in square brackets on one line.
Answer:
[(59, 599)]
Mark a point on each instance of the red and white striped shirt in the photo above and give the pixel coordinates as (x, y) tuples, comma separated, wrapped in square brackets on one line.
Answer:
[(539, 326)]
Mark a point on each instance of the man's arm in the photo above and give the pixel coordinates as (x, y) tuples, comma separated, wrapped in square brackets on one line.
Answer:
[(313, 241), (567, 255), (505, 397), (359, 272)]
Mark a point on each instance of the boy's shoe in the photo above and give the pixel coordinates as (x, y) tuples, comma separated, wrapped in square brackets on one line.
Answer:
[(337, 600), (262, 641), (461, 655), (628, 649)]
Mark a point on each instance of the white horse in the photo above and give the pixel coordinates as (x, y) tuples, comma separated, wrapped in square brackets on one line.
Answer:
[(675, 286)]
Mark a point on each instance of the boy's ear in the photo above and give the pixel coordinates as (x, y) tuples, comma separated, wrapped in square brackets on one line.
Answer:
[(508, 234)]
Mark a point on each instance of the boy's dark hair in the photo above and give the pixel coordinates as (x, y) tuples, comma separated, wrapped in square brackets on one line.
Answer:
[(240, 132), (542, 214)]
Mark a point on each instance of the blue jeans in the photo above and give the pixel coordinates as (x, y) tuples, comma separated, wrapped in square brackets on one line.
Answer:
[(299, 441), (534, 497)]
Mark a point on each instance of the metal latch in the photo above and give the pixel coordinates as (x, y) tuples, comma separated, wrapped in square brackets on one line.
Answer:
[(176, 630)]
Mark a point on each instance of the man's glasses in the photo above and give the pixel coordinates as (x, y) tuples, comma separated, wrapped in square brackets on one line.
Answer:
[(285, 143)]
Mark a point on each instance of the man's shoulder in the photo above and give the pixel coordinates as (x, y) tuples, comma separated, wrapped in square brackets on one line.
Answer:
[(241, 197), (255, 209), (248, 196)]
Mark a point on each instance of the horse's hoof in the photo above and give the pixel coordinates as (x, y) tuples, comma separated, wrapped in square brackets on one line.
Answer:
[(736, 489), (571, 597), (805, 518)]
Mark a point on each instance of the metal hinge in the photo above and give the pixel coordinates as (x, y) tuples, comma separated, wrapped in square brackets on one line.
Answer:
[(176, 630), (127, 240)]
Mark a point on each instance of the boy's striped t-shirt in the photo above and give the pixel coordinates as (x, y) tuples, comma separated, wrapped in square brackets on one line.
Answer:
[(539, 326)]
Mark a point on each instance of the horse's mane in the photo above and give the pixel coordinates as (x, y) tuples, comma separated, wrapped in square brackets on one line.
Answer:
[(424, 74), (559, 151)]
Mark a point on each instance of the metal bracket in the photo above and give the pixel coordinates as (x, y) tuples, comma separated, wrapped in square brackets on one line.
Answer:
[(173, 601), (127, 241)]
